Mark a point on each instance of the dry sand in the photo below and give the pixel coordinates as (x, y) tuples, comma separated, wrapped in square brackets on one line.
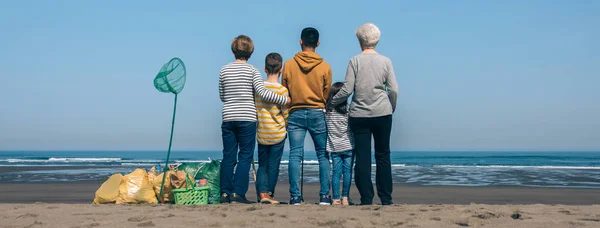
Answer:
[(67, 205), (80, 215)]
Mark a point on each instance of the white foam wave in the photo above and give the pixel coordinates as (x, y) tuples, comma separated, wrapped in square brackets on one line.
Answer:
[(517, 167), (23, 160), (136, 164), (84, 159), (309, 162), (190, 161)]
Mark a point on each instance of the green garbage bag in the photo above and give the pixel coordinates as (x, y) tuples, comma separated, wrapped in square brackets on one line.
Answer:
[(191, 169), (212, 172)]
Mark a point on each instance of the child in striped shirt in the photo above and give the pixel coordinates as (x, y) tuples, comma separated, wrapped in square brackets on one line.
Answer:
[(238, 83), (340, 143), (271, 132)]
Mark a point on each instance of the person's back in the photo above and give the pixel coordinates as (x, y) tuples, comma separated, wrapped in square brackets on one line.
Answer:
[(372, 85), (308, 79), (271, 117), (237, 93)]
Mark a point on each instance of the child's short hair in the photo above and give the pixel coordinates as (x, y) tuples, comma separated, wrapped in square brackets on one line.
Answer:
[(310, 37), (341, 108), (242, 47), (273, 63)]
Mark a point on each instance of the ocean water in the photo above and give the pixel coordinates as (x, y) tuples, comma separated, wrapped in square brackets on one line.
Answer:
[(533, 169)]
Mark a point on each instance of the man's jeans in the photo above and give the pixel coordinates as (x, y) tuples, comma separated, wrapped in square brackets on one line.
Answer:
[(313, 121), (242, 134), (342, 165), (269, 158)]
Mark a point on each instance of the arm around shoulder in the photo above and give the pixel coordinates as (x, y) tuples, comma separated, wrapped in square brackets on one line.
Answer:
[(264, 93), (348, 87)]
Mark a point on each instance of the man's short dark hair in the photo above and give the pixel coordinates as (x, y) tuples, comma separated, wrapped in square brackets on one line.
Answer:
[(310, 37), (273, 63)]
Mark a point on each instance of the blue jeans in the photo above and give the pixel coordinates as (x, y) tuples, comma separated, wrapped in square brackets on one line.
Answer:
[(313, 121), (269, 158), (342, 166), (236, 134)]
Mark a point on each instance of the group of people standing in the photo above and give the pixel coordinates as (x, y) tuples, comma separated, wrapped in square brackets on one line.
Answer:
[(306, 101)]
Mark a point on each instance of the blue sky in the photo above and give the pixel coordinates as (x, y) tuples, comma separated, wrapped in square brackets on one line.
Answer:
[(473, 75)]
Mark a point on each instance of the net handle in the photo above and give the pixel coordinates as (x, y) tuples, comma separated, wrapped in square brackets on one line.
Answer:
[(160, 195)]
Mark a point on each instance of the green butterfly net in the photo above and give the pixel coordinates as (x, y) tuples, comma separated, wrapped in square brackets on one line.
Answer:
[(170, 79)]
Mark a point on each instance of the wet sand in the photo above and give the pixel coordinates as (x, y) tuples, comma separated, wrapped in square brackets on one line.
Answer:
[(83, 192)]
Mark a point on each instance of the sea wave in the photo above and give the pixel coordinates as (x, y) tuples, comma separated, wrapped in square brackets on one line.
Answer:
[(60, 160), (517, 167)]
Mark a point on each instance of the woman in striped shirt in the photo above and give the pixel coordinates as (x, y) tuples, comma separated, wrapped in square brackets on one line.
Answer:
[(238, 82), (340, 143)]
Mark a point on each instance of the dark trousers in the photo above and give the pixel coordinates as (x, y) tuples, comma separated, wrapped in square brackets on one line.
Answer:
[(380, 128), (242, 135)]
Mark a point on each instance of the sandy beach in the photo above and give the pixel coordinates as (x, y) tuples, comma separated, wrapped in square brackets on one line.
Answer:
[(473, 215), (61, 204)]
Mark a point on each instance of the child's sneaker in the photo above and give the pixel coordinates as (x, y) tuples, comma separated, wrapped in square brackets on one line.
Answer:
[(345, 201), (325, 200), (337, 202), (267, 199), (295, 201)]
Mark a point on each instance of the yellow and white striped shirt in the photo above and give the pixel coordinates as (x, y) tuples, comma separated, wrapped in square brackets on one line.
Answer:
[(272, 118)]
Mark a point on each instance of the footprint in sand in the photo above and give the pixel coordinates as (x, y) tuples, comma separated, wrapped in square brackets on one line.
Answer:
[(137, 219), (93, 225), (486, 215), (462, 223), (564, 212), (590, 219), (35, 224), (146, 224), (28, 215)]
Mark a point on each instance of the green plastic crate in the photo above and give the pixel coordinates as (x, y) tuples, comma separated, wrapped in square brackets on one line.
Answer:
[(191, 196)]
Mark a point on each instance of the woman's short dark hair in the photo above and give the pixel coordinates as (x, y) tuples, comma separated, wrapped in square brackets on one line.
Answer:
[(242, 47), (341, 108)]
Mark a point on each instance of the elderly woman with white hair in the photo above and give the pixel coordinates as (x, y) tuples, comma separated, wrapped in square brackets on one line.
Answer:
[(370, 77)]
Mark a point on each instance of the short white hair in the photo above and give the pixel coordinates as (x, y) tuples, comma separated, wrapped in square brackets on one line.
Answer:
[(368, 35)]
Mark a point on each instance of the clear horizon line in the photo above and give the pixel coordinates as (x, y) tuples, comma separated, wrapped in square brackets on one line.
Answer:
[(393, 151)]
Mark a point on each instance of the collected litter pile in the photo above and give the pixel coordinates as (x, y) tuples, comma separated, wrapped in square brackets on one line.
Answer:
[(187, 183)]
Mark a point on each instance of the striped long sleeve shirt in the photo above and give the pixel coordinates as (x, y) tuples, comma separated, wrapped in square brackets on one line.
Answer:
[(339, 136), (238, 83), (271, 117)]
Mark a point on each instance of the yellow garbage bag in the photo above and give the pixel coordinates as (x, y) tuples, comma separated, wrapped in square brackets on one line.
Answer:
[(136, 188), (109, 190), (156, 179)]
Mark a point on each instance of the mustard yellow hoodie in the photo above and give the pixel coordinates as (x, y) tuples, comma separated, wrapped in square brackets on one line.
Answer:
[(308, 79)]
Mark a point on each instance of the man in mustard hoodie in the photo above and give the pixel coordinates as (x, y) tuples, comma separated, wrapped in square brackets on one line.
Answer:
[(308, 79)]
